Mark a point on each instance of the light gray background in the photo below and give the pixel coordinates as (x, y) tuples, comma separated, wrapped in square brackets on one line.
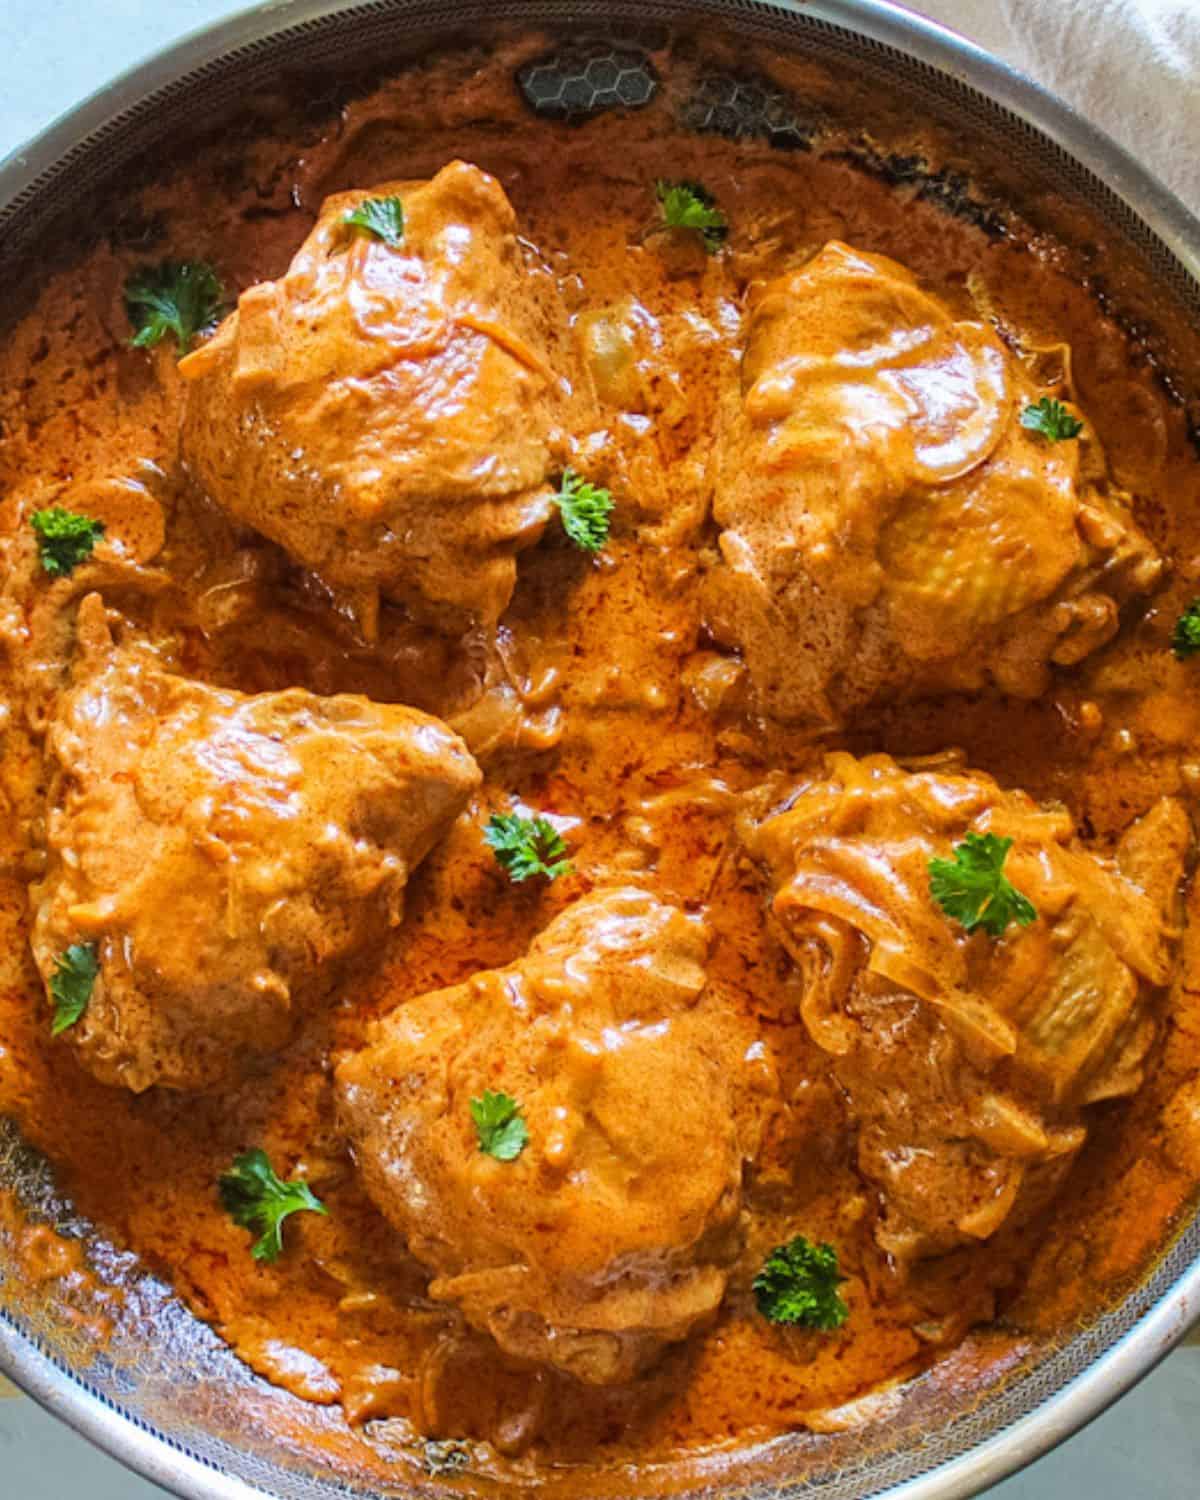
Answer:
[(52, 53)]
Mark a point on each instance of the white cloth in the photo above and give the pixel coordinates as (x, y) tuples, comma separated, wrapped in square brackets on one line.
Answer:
[(1131, 66)]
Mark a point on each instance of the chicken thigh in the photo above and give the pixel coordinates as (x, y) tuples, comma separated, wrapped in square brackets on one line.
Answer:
[(386, 413), (967, 1059), (612, 1232), (890, 527), (217, 852)]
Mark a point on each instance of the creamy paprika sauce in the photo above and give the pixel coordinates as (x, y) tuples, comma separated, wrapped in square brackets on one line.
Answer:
[(852, 608)]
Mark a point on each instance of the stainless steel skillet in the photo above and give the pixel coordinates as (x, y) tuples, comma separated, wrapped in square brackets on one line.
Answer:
[(165, 1397)]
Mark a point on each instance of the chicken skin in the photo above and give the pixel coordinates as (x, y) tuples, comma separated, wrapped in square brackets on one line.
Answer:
[(890, 527), (387, 414), (220, 852), (967, 1059), (612, 1233)]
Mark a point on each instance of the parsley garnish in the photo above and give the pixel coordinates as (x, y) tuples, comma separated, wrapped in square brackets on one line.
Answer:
[(182, 297), (502, 1131), (1052, 419), (259, 1201), (526, 846), (798, 1284), (65, 538), (973, 889), (1185, 638), (71, 985), (687, 205), (585, 511), (382, 217)]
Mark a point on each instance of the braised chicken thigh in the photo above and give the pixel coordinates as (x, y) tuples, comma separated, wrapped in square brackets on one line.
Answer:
[(613, 1230), (967, 1059), (386, 412), (219, 851), (890, 525)]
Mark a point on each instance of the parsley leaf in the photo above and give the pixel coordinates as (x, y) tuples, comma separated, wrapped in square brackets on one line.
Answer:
[(973, 889), (258, 1200), (1052, 419), (65, 538), (71, 985), (585, 511), (798, 1284), (687, 205), (382, 217), (501, 1130), (526, 846), (182, 297), (1185, 638)]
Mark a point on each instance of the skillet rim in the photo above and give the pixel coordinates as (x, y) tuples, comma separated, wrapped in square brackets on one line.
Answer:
[(31, 171)]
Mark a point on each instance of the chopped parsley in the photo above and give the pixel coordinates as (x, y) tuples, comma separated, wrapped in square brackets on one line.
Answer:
[(1185, 638), (258, 1200), (688, 205), (1052, 419), (973, 888), (525, 847), (382, 217), (182, 297), (798, 1285), (65, 538), (71, 985), (585, 509), (501, 1130)]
